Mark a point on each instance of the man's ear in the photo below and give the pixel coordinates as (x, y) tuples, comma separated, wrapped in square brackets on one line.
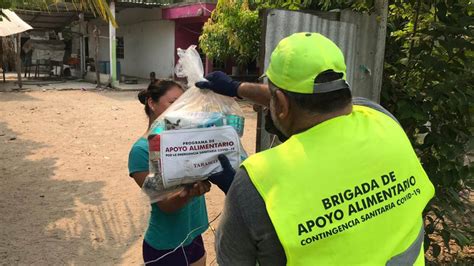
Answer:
[(282, 105)]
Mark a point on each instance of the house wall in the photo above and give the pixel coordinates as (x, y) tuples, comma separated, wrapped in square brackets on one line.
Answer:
[(148, 43), (189, 20)]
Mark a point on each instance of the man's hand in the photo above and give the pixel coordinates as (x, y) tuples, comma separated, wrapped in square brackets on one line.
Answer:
[(220, 83), (197, 189), (225, 178)]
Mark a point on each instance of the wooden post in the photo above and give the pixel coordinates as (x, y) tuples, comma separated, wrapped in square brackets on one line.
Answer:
[(18, 58), (381, 10), (82, 52), (263, 138), (112, 48), (96, 34), (209, 66), (4, 50)]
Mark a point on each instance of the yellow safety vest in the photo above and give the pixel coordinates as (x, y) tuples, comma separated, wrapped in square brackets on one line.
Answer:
[(350, 190)]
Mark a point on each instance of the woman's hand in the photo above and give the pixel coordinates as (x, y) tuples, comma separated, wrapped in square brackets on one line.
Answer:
[(197, 189), (177, 202)]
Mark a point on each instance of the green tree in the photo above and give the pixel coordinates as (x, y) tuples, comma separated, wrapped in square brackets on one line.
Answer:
[(427, 84), (232, 31)]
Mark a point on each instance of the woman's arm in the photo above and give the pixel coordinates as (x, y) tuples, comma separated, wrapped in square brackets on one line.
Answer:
[(139, 177), (177, 202)]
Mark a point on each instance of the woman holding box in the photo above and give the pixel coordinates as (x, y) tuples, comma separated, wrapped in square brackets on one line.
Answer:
[(174, 232)]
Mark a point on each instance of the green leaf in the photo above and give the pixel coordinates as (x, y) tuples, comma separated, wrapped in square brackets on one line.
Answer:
[(427, 243), (460, 238), (436, 250), (446, 236), (441, 11), (430, 228)]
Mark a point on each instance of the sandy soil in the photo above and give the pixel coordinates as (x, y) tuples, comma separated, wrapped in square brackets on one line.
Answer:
[(66, 197)]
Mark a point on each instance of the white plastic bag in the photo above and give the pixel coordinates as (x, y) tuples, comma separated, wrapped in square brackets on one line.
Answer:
[(186, 139)]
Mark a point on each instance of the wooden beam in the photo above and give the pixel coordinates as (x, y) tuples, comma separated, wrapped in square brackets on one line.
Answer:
[(381, 10), (4, 50), (47, 22), (96, 33), (35, 17), (18, 59), (70, 20), (82, 46), (112, 47)]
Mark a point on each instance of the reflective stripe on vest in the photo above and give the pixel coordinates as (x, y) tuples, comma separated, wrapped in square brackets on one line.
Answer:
[(409, 256), (347, 191)]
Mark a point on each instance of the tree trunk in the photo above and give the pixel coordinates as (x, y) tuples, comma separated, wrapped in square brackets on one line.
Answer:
[(96, 33), (4, 50), (18, 59)]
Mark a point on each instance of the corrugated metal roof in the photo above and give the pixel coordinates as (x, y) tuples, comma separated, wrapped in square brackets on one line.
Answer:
[(49, 20), (59, 15)]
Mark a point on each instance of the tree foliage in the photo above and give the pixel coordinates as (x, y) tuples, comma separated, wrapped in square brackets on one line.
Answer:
[(232, 30), (428, 85)]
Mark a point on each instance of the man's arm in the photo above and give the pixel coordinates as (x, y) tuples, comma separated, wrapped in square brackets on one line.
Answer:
[(220, 83), (258, 93), (246, 234), (255, 92), (234, 244)]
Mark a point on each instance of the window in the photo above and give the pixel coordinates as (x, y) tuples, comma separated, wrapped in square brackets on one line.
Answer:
[(119, 48)]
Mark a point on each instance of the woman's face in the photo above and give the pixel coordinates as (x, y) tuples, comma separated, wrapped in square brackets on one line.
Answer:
[(165, 101)]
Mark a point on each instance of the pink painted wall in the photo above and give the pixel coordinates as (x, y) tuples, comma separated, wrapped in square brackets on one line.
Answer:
[(189, 21), (187, 34)]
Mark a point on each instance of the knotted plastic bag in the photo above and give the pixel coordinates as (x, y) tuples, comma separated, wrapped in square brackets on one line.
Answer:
[(186, 139)]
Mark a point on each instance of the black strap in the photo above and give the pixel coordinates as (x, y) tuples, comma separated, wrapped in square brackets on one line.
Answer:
[(330, 86)]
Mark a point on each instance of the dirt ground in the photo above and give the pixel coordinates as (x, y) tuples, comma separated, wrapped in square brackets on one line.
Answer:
[(66, 195)]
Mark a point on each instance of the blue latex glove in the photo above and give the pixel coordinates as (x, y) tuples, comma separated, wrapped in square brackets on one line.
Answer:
[(223, 179), (220, 83)]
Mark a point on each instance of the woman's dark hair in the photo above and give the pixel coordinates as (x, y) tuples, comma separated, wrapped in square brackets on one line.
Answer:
[(155, 91)]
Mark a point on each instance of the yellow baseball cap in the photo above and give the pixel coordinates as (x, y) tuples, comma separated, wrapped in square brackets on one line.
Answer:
[(299, 58)]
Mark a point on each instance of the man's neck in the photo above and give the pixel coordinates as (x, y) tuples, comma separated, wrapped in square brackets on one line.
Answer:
[(308, 121)]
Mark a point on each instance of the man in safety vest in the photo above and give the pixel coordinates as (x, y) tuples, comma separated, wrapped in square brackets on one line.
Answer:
[(345, 188)]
